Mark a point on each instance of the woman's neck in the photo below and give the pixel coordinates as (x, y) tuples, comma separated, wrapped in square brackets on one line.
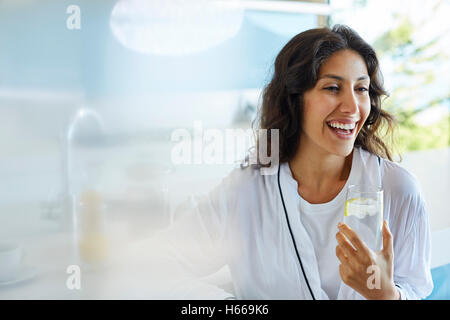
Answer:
[(320, 175)]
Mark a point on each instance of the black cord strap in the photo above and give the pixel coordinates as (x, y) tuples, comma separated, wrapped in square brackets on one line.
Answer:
[(292, 236)]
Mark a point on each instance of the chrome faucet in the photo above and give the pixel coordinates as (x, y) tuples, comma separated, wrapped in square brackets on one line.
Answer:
[(85, 125)]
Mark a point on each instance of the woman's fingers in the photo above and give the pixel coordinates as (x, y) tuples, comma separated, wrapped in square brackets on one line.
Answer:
[(341, 255), (345, 247), (355, 240)]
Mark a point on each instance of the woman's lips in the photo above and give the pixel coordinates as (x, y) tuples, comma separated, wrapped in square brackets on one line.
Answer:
[(344, 134)]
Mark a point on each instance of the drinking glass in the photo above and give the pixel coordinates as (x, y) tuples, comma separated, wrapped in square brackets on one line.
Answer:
[(364, 213)]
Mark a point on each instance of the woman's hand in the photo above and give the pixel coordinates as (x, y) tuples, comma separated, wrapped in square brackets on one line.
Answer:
[(369, 273)]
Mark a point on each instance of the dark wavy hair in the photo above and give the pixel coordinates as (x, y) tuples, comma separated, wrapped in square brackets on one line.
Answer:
[(296, 71)]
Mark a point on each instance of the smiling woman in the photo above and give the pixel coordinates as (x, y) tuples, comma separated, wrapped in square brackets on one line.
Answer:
[(277, 232), (308, 64), (338, 105)]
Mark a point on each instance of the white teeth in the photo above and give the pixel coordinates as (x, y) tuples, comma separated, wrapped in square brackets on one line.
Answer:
[(347, 126)]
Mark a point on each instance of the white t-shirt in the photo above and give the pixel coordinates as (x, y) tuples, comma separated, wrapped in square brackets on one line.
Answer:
[(241, 223), (320, 221)]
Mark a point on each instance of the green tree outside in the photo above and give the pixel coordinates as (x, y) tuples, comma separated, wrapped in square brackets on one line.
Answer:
[(416, 69)]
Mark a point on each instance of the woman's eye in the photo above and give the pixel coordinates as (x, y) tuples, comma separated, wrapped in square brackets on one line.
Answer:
[(332, 89), (362, 89), (336, 89)]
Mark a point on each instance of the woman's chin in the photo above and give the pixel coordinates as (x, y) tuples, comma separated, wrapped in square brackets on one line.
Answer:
[(343, 150)]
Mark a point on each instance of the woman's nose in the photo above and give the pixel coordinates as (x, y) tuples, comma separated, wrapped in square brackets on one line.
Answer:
[(349, 102)]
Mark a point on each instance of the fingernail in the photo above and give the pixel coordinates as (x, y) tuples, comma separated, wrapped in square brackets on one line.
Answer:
[(339, 225)]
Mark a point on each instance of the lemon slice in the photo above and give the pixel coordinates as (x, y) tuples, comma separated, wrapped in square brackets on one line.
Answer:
[(346, 204), (362, 207)]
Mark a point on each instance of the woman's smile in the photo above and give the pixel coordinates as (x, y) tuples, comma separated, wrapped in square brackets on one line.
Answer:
[(343, 129)]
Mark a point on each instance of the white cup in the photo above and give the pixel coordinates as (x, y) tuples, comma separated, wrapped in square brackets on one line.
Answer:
[(10, 260)]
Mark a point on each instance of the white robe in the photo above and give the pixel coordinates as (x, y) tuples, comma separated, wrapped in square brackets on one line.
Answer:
[(242, 223)]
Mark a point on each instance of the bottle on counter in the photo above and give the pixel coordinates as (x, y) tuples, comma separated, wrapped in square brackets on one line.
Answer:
[(93, 245)]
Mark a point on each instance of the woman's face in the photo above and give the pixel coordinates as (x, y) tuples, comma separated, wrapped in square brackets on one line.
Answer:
[(338, 105)]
